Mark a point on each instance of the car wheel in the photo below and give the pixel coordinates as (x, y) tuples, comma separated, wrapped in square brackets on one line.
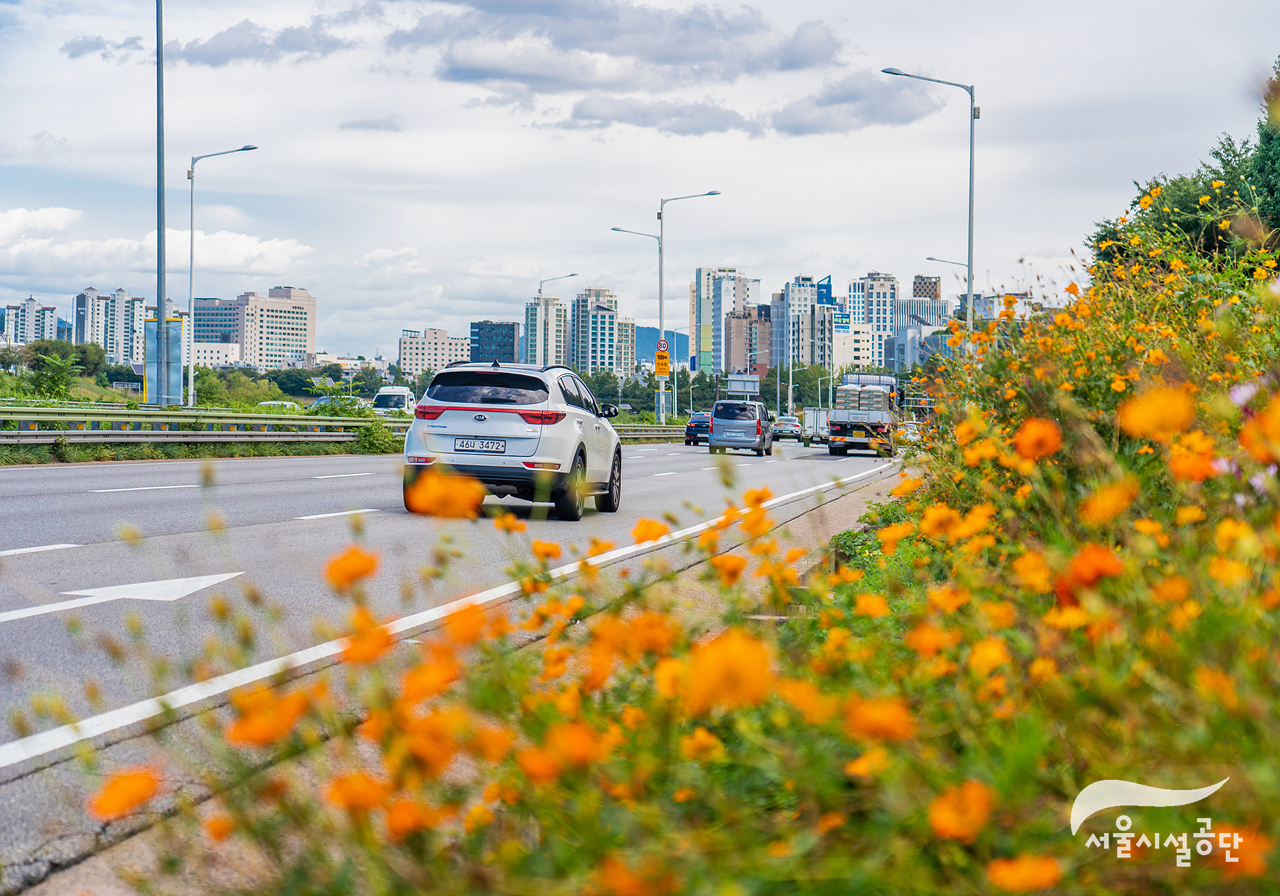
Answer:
[(611, 500), (759, 452), (769, 450), (571, 502), (687, 442)]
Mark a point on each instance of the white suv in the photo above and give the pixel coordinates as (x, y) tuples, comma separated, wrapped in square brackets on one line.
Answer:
[(533, 432)]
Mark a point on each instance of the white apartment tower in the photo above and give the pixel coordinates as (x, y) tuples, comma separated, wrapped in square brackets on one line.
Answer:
[(274, 331), (30, 321), (546, 332), (112, 320), (432, 349), (596, 340), (714, 293)]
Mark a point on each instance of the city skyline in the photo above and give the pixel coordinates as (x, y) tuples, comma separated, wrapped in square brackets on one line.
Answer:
[(543, 130)]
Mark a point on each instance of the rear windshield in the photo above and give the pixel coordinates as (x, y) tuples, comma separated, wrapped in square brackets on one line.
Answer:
[(483, 387), (735, 412), (788, 419), (390, 401)]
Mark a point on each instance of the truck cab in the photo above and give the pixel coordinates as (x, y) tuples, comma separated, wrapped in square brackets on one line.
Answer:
[(394, 398)]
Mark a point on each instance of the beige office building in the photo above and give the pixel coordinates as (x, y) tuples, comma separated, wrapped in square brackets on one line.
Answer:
[(274, 331), (432, 349)]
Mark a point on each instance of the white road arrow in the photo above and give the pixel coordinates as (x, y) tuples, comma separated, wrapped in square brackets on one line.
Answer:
[(166, 590)]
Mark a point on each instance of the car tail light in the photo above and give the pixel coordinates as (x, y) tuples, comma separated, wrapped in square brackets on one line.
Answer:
[(425, 412), (421, 460), (759, 427), (534, 465), (542, 418)]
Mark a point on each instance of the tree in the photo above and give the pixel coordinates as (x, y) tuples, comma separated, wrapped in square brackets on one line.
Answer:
[(368, 381), (293, 381), (10, 358), (35, 353), (1265, 170), (422, 381), (91, 357), (604, 385), (52, 377)]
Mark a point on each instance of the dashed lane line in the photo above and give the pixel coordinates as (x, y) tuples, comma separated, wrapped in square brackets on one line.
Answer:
[(13, 552), (140, 488), (325, 516), (343, 475)]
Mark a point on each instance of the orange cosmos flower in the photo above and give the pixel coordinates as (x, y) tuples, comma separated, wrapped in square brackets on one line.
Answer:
[(1108, 502), (873, 605), (939, 519), (1042, 669), (480, 816), (573, 743), (1093, 562), (987, 655), (545, 550), (431, 677), (1025, 873), (509, 522), (264, 717), (1038, 439), (1188, 514), (123, 792), (1260, 435), (878, 719), (1216, 684), (1066, 618), (452, 497), (669, 677), (948, 598), (891, 535), (960, 813), (616, 878), (1000, 614), (349, 567), (757, 497), (1157, 413), (816, 707), (219, 827), (538, 764), (702, 746), (405, 817), (731, 671), (873, 760), (1032, 572), (649, 530), (926, 639), (368, 640), (1252, 852), (906, 487), (729, 567), (465, 626), (491, 744), (357, 792)]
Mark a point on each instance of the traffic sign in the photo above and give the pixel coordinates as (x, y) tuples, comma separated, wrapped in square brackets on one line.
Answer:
[(662, 363), (663, 346)]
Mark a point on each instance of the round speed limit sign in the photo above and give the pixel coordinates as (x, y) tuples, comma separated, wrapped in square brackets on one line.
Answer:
[(662, 345)]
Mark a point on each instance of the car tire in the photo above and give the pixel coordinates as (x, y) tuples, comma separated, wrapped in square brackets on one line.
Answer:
[(611, 500), (571, 503), (769, 450), (759, 452)]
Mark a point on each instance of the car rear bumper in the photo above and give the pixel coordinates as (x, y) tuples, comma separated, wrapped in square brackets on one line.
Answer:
[(506, 478)]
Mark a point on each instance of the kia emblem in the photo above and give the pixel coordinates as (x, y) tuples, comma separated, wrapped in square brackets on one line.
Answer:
[(481, 417)]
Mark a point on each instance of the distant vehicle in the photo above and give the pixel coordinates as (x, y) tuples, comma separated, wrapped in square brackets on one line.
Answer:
[(910, 432), (867, 430), (324, 401), (814, 428), (280, 406), (787, 428), (740, 425), (533, 432), (697, 429), (394, 398)]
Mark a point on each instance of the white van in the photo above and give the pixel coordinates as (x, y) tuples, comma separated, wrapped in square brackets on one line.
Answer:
[(394, 398)]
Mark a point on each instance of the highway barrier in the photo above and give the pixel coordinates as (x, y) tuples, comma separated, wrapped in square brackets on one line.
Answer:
[(99, 425)]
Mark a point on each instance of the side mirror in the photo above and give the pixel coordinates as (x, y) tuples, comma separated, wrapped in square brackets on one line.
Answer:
[(772, 418), (608, 410)]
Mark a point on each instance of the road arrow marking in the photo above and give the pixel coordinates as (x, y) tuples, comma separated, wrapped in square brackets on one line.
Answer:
[(166, 590), (13, 552)]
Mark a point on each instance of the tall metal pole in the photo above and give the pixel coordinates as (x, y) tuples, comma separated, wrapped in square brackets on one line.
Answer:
[(973, 116), (162, 332), (191, 291), (662, 330)]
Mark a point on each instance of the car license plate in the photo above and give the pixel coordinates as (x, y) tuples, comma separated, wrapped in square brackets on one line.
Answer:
[(489, 446), (734, 435)]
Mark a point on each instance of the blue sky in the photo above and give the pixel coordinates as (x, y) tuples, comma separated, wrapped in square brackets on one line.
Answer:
[(425, 164)]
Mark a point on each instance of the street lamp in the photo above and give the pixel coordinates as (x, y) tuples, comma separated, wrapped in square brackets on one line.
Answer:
[(662, 204), (191, 272), (549, 279), (974, 114), (830, 380)]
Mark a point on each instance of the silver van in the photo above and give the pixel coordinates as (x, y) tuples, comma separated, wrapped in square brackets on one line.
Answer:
[(741, 425)]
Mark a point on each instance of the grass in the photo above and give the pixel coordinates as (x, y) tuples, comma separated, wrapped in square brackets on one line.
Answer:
[(14, 455)]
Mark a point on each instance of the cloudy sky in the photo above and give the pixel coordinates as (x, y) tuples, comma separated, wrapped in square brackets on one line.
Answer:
[(425, 164)]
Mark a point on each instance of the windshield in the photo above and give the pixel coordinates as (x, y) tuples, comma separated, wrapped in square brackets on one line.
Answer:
[(391, 401), (483, 387), (735, 412), (789, 420)]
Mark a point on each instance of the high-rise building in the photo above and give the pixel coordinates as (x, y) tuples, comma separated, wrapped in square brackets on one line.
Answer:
[(274, 331), (546, 332), (871, 302), (748, 340), (112, 320), (923, 287), (626, 348), (30, 321), (432, 349), (812, 338), (494, 341), (714, 293), (593, 330), (920, 313)]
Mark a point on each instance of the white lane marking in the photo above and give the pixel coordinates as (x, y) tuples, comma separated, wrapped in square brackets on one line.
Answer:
[(710, 468), (13, 552), (668, 473), (343, 475), (674, 453), (166, 590), (325, 516), (140, 488), (744, 465), (635, 457), (47, 741), (646, 449), (771, 461)]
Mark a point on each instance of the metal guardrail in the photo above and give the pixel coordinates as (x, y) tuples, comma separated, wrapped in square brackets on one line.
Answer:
[(37, 426), (45, 426)]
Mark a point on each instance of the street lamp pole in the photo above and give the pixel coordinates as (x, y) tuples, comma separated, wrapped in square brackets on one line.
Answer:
[(540, 310), (162, 332), (191, 271), (974, 113)]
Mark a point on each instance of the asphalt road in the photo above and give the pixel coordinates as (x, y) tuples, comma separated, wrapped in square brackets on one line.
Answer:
[(91, 546)]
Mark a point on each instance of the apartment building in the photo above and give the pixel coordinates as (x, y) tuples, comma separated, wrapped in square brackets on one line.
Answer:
[(432, 349), (748, 340), (714, 293), (274, 331), (546, 331), (494, 341), (29, 321)]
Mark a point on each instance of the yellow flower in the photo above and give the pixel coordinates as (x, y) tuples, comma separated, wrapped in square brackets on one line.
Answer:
[(702, 746), (1042, 669), (480, 816), (1188, 514), (1066, 617), (1228, 572), (1203, 200), (1218, 184), (1025, 873), (1001, 614)]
